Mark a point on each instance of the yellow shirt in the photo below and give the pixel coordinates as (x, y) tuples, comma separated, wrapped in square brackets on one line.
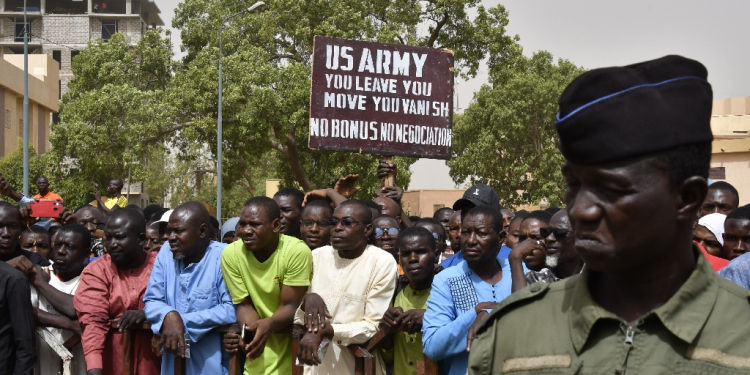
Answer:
[(120, 201), (407, 349)]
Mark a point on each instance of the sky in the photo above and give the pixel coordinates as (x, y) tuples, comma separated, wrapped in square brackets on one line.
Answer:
[(599, 33)]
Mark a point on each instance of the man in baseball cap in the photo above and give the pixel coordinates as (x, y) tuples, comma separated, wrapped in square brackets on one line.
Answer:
[(477, 195)]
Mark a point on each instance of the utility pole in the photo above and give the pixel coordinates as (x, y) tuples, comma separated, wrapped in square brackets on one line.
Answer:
[(25, 102)]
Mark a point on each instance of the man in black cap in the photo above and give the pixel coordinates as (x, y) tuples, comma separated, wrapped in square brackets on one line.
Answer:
[(637, 147), (477, 195)]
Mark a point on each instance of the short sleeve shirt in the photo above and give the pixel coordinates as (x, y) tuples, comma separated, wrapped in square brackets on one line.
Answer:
[(245, 276), (407, 348)]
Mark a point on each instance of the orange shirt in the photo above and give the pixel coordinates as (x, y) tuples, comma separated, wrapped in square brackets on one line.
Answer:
[(49, 197)]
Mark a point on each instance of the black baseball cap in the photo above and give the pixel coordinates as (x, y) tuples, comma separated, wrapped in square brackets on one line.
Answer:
[(479, 194)]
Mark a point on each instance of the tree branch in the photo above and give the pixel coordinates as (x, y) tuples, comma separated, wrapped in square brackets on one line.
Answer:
[(436, 32), (163, 132)]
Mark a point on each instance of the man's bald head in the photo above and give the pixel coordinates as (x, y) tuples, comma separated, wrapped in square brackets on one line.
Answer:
[(194, 212), (389, 207), (132, 217)]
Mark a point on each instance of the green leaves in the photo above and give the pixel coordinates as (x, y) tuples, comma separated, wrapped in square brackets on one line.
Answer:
[(507, 138)]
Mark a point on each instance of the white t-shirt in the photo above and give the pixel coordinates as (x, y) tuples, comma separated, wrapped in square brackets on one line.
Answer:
[(47, 361)]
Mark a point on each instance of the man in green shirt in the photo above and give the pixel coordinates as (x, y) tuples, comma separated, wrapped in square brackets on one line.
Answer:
[(637, 147), (403, 348), (267, 274)]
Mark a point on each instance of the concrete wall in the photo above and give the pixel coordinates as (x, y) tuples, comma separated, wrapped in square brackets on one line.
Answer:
[(737, 169)]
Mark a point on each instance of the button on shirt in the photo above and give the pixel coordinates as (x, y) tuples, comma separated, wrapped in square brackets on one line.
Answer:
[(701, 329), (198, 293), (450, 312)]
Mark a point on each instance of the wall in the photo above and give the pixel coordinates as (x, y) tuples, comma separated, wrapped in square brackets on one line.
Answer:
[(422, 202)]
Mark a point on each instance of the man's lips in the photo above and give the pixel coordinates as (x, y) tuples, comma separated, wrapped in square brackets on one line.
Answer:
[(414, 271)]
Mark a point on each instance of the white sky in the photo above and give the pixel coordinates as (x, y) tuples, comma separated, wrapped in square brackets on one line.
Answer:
[(597, 33)]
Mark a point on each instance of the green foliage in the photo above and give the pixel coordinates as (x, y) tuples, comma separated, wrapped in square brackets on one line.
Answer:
[(130, 105), (11, 167), (507, 138)]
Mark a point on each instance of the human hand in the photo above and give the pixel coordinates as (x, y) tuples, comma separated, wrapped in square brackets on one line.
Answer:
[(470, 337), (386, 169), (22, 264), (5, 188), (525, 249), (390, 316), (173, 334), (76, 327), (320, 194), (67, 216), (26, 219), (157, 343), (315, 312), (485, 306), (97, 195), (261, 331), (393, 192), (233, 342), (39, 276), (345, 185), (307, 353), (410, 321), (131, 319)]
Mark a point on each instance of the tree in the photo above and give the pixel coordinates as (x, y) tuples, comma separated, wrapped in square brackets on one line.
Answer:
[(11, 167), (267, 68), (115, 114), (507, 137)]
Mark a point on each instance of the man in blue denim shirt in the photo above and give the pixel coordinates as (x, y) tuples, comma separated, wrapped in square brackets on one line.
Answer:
[(187, 294), (460, 292)]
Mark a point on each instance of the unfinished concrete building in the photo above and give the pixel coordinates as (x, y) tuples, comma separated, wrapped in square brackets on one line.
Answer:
[(61, 28)]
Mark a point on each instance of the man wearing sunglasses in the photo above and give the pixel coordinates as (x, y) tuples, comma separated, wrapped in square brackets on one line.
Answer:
[(384, 234), (351, 288), (561, 260), (637, 146)]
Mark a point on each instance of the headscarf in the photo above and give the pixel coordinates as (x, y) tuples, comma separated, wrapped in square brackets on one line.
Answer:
[(714, 223)]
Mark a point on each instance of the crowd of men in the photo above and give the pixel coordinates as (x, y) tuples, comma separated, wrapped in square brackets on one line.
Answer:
[(622, 280)]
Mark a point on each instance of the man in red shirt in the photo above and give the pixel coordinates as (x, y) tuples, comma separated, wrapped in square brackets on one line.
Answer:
[(112, 288), (42, 184)]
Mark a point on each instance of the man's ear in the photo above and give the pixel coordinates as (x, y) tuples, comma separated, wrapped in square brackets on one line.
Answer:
[(142, 239), (203, 229), (368, 230), (690, 195), (276, 225)]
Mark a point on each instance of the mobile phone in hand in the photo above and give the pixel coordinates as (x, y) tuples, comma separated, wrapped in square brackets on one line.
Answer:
[(45, 209), (247, 336)]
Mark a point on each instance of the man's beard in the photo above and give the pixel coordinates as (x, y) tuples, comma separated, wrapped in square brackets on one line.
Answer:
[(551, 260), (178, 256)]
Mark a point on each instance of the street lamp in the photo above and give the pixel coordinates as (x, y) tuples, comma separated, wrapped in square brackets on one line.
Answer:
[(219, 140), (25, 101)]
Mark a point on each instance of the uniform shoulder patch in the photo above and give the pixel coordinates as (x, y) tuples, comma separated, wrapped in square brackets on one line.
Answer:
[(533, 291)]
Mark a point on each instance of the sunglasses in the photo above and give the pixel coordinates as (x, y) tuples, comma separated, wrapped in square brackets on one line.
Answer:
[(345, 222), (310, 223), (393, 232), (559, 233)]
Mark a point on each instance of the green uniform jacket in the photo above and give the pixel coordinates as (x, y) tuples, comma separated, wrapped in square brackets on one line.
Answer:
[(559, 329)]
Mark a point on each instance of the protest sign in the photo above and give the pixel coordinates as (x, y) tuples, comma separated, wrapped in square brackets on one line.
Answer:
[(380, 98)]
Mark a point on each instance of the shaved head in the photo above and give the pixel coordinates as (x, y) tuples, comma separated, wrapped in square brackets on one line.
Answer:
[(194, 212)]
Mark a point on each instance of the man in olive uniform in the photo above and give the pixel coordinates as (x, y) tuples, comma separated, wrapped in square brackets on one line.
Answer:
[(637, 147)]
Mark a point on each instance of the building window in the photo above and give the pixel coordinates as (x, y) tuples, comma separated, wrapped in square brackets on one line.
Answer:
[(7, 119), (109, 28), (57, 56), (436, 207), (19, 30), (718, 173), (73, 54)]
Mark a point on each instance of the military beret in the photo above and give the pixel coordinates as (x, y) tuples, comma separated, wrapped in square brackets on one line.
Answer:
[(616, 113)]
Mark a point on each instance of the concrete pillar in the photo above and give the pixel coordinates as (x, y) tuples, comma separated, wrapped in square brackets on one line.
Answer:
[(128, 6), (2, 5), (42, 6), (91, 7)]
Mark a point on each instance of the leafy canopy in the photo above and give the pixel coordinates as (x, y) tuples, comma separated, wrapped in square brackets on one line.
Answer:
[(506, 137)]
